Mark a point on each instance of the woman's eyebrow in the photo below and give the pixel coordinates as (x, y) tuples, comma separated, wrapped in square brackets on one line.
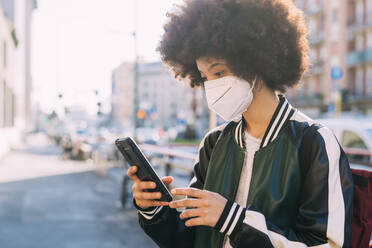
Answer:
[(214, 65)]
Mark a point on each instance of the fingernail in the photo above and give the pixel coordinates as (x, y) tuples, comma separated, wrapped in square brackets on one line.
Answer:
[(173, 191)]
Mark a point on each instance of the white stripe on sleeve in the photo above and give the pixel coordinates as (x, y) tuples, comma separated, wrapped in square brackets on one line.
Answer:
[(149, 217), (237, 216), (258, 221), (336, 206), (227, 221)]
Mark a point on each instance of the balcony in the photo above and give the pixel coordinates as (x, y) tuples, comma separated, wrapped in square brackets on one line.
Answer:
[(359, 57), (359, 27), (311, 100)]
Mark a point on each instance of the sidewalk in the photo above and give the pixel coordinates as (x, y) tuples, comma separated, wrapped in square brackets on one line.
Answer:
[(18, 166), (38, 158), (48, 202)]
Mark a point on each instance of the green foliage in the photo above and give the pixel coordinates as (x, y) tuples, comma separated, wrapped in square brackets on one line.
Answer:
[(14, 37)]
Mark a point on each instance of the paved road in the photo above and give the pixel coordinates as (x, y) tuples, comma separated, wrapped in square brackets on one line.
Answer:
[(49, 202), (75, 210)]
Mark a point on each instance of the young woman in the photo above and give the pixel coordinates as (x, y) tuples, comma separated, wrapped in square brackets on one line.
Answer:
[(271, 176)]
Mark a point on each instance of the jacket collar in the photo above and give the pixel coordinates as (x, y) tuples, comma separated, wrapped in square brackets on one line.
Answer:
[(282, 114)]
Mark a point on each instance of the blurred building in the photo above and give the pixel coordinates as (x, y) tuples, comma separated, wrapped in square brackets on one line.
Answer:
[(15, 79), (162, 100), (26, 109), (122, 95), (341, 55), (160, 95)]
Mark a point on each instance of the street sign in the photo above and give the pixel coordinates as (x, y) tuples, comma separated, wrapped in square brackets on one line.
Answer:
[(336, 73)]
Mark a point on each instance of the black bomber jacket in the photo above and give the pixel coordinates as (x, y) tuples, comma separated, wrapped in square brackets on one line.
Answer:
[(300, 194)]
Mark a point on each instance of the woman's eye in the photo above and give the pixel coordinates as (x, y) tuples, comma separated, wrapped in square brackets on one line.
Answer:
[(218, 74), (204, 79)]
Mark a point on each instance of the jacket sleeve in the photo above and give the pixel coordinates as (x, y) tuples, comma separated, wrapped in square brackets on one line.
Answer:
[(325, 207), (163, 224)]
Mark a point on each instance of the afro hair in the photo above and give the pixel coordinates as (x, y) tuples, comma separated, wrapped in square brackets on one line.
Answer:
[(264, 38)]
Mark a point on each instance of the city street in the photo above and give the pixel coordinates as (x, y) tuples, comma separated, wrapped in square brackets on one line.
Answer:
[(48, 202), (77, 78)]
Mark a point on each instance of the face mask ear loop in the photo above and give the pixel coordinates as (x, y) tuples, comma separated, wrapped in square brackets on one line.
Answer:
[(254, 83)]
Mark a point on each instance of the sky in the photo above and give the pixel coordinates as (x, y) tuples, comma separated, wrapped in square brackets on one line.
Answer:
[(77, 43)]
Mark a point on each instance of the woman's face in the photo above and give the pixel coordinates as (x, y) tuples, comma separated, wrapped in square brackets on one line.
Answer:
[(212, 68)]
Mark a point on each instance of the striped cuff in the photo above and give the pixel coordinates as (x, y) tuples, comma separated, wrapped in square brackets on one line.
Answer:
[(150, 214), (232, 214)]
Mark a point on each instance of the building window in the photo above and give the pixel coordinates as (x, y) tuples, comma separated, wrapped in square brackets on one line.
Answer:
[(369, 39), (334, 32), (369, 12), (323, 53), (359, 12), (359, 42), (4, 54), (312, 55), (351, 79), (359, 83), (335, 15), (312, 26), (8, 106), (369, 81), (310, 87), (13, 109), (3, 104)]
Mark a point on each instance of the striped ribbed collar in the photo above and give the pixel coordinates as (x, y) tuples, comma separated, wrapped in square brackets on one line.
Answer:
[(283, 112)]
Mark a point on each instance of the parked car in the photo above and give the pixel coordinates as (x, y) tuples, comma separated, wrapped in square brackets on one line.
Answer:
[(355, 136), (148, 135)]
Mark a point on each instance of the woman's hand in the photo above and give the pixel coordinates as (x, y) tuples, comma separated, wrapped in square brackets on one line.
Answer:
[(146, 199), (209, 206)]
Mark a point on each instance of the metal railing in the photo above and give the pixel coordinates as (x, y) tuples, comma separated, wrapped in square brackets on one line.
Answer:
[(168, 156)]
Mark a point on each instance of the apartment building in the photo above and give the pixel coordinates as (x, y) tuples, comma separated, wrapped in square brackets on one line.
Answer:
[(165, 101), (341, 55), (15, 78)]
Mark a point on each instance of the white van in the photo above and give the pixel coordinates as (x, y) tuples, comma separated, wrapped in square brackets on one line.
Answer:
[(355, 136)]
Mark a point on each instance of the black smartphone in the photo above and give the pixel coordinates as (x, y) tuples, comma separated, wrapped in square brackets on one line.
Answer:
[(132, 153)]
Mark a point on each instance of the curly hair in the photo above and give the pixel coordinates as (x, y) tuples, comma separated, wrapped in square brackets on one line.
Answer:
[(264, 38)]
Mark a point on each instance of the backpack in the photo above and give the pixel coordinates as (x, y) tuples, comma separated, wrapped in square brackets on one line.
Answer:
[(362, 209), (362, 201)]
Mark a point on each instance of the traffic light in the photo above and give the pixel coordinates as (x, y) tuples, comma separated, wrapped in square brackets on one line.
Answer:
[(141, 114)]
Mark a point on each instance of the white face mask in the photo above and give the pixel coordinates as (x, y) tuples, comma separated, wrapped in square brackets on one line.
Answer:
[(229, 96)]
